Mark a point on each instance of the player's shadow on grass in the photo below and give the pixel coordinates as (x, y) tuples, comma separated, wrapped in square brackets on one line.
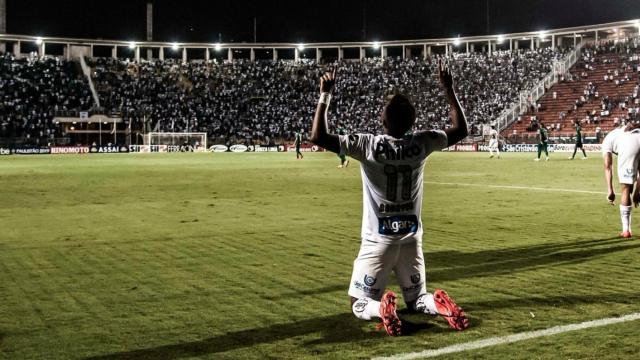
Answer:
[(334, 329), (341, 328), (453, 265), (448, 265)]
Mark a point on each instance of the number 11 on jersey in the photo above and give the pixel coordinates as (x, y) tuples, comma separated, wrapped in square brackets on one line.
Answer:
[(392, 173)]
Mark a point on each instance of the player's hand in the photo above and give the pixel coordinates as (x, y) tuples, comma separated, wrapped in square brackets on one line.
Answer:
[(328, 82), (636, 199), (444, 74), (612, 198)]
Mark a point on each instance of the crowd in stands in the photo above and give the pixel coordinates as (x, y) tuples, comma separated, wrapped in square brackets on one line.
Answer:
[(263, 101), (621, 59), (32, 90), (627, 64)]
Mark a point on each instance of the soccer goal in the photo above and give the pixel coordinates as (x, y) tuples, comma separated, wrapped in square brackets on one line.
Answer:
[(178, 141)]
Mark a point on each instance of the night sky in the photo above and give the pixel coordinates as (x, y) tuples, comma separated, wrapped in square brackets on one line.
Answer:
[(305, 21)]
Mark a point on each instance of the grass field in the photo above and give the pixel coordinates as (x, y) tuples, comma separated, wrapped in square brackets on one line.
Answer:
[(234, 256)]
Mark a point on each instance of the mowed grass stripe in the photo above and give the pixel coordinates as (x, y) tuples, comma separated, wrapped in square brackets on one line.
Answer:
[(178, 260)]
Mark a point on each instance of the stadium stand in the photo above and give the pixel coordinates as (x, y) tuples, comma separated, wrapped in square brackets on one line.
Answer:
[(600, 92), (257, 102), (32, 91)]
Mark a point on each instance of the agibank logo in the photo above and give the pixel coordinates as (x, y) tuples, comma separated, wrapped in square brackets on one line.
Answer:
[(369, 280), (366, 285), (398, 225)]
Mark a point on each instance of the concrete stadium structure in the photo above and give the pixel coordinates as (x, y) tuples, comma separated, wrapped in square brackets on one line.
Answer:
[(75, 47)]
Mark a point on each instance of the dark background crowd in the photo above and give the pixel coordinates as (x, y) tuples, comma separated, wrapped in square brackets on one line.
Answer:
[(257, 102)]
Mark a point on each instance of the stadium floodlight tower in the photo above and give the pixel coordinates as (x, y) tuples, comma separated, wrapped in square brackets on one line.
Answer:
[(197, 140)]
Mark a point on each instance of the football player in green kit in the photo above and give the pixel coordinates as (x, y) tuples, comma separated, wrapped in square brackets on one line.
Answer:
[(543, 144), (578, 142), (297, 143)]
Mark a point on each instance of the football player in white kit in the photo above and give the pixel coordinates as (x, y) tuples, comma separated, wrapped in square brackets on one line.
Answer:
[(494, 142), (392, 168), (624, 142)]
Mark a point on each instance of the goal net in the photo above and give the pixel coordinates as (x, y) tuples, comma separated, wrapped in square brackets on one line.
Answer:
[(178, 141)]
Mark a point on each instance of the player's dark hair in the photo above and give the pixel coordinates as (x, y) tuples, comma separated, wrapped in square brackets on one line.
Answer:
[(399, 115)]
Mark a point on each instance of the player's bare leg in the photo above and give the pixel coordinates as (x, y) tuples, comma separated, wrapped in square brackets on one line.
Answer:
[(625, 210)]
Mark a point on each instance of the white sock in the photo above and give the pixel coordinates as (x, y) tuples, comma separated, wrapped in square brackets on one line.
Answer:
[(366, 309), (426, 304), (625, 216)]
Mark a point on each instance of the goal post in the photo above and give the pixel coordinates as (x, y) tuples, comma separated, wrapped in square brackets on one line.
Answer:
[(196, 140)]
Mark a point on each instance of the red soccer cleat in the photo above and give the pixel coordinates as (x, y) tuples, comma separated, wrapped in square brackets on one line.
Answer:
[(390, 320), (448, 309), (626, 234)]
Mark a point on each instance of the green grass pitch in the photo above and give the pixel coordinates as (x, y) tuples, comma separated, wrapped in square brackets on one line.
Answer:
[(248, 256)]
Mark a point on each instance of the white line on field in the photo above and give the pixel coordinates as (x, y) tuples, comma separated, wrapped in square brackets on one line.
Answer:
[(500, 340), (510, 187)]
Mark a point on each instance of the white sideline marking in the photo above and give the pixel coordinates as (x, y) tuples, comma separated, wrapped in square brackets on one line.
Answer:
[(510, 187), (500, 340)]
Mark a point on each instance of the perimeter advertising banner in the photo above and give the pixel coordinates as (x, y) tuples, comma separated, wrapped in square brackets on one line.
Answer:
[(534, 148), (24, 151), (305, 148)]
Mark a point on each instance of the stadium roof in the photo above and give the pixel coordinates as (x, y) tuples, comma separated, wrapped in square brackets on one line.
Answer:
[(296, 21)]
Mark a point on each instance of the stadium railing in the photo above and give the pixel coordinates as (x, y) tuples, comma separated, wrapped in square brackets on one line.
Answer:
[(529, 97)]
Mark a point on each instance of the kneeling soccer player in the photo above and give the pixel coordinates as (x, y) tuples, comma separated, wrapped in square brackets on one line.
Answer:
[(392, 168)]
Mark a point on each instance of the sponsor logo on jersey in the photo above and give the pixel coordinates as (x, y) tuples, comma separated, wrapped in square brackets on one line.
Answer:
[(398, 225), (399, 152)]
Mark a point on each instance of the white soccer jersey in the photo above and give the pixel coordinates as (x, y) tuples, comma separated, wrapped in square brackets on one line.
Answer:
[(493, 141), (610, 142), (392, 182)]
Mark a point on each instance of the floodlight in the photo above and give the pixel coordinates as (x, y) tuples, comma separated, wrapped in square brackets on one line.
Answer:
[(132, 45), (376, 45), (300, 47), (39, 41)]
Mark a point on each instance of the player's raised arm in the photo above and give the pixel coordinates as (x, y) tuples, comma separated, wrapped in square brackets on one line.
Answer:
[(459, 130), (320, 130)]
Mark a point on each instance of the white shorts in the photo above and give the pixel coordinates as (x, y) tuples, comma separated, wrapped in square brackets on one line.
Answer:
[(375, 262), (628, 157), (493, 144)]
